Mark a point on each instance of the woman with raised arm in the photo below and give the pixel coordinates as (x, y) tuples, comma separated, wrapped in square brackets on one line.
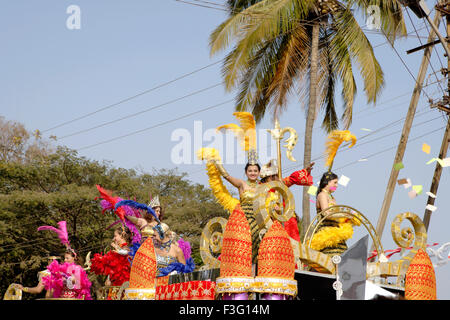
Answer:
[(246, 133)]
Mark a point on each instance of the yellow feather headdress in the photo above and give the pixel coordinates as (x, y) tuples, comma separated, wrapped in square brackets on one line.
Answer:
[(335, 139), (245, 133)]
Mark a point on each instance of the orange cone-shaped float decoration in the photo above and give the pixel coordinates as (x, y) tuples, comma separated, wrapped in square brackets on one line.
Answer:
[(276, 265), (420, 281), (236, 256), (143, 273)]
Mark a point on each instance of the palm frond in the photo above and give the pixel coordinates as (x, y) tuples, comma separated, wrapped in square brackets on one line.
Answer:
[(349, 36), (256, 24), (391, 15), (294, 60), (255, 82)]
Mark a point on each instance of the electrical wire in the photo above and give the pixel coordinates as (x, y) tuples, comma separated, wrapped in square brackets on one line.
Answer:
[(141, 112), (142, 93), (156, 125), (428, 58), (138, 113), (360, 144), (418, 114), (391, 148), (133, 97)]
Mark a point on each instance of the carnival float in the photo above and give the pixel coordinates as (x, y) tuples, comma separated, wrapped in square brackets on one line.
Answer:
[(255, 254)]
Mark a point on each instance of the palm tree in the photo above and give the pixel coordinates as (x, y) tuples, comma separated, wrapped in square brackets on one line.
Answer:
[(302, 45)]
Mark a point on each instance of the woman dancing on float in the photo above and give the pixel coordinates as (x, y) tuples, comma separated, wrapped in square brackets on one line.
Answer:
[(246, 134), (332, 233), (67, 280), (41, 275), (115, 264)]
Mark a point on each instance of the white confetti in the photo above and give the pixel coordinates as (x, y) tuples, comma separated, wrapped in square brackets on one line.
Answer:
[(343, 180), (445, 162), (407, 185)]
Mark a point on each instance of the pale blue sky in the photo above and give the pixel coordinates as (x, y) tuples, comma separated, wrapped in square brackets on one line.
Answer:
[(50, 74)]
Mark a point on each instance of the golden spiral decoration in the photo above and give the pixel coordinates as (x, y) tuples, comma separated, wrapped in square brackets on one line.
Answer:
[(405, 237), (13, 292), (263, 210), (211, 242)]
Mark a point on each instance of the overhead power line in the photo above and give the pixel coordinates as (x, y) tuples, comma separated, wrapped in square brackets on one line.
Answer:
[(132, 97), (141, 112), (157, 125), (143, 93)]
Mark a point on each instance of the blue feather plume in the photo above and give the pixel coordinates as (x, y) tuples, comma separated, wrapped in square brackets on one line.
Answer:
[(178, 267), (137, 205)]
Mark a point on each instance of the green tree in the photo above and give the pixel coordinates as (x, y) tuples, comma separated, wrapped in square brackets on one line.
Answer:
[(281, 44)]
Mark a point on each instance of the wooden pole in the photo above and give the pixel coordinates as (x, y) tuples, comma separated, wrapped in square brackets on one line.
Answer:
[(437, 175), (444, 147), (405, 132)]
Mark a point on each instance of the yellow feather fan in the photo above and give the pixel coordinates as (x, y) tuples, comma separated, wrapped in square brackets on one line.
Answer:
[(335, 139), (246, 132), (331, 236), (220, 192)]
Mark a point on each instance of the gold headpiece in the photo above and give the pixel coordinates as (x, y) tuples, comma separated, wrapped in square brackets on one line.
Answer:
[(269, 169), (252, 157), (154, 202), (246, 134)]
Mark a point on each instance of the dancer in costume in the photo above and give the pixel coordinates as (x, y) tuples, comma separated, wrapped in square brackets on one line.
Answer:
[(325, 199), (148, 221), (156, 206), (172, 255), (109, 202), (246, 134), (116, 263), (121, 240), (331, 235), (41, 274), (269, 172), (139, 220), (328, 184), (67, 280), (247, 194)]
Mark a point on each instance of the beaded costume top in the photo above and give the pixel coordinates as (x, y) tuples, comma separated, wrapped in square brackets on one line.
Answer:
[(246, 201)]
